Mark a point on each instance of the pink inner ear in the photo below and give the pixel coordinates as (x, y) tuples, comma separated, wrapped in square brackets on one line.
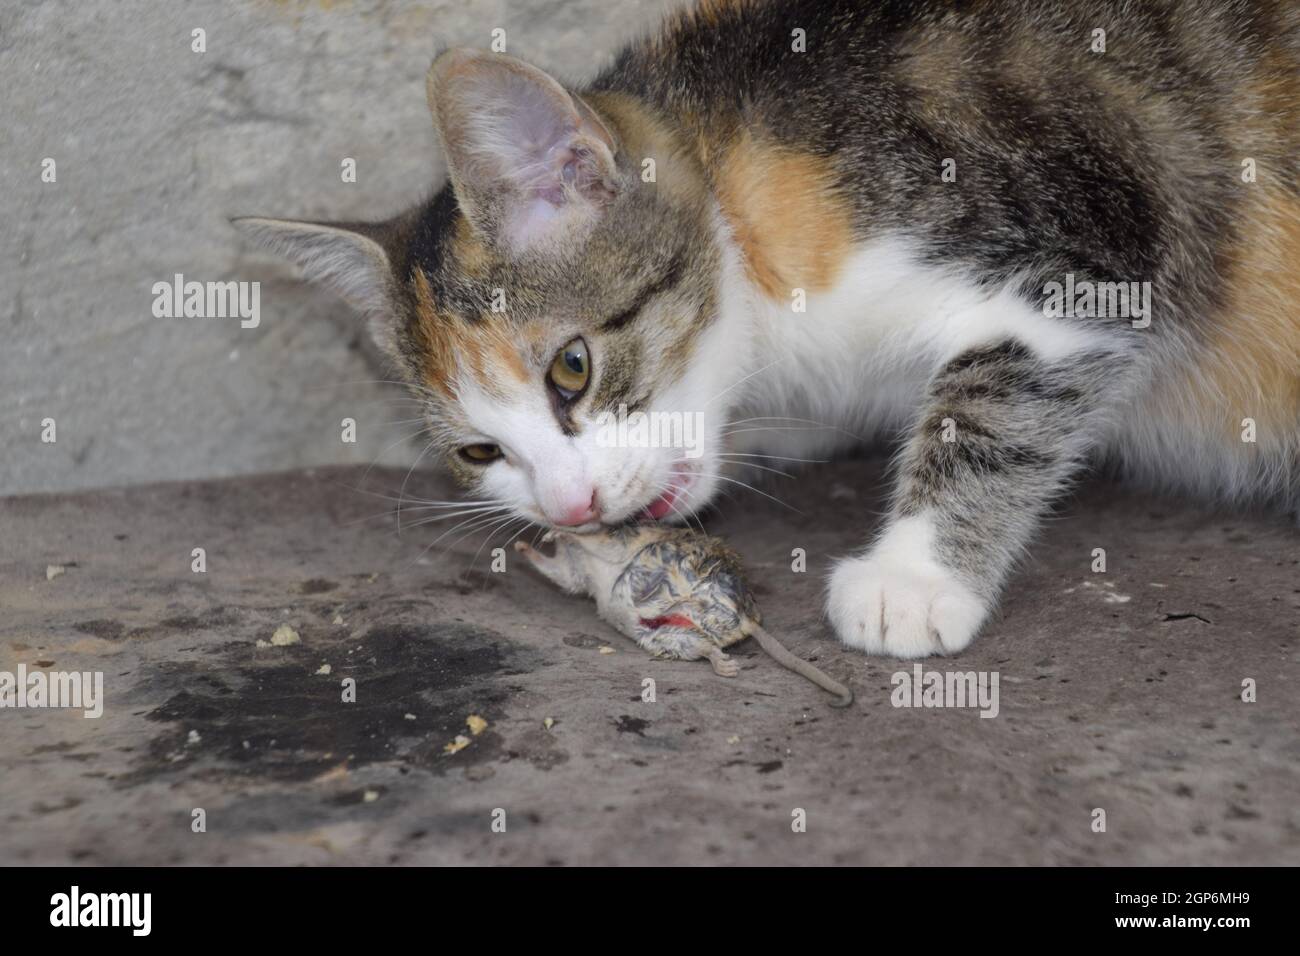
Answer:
[(547, 152), (514, 133), (551, 165), (522, 130), (533, 221)]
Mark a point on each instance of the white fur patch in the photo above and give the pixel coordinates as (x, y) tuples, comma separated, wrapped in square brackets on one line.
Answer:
[(859, 358)]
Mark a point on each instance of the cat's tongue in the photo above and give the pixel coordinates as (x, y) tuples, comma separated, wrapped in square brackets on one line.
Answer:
[(661, 505)]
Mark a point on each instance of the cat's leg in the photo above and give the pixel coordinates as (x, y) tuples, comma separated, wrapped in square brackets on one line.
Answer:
[(1000, 435)]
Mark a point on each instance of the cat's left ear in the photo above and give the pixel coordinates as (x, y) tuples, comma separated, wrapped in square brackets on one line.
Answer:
[(350, 259), (531, 164)]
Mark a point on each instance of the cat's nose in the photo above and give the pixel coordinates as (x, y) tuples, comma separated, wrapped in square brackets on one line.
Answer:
[(575, 509)]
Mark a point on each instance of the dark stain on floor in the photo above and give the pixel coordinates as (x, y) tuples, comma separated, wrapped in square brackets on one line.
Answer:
[(627, 724), (103, 629), (268, 713)]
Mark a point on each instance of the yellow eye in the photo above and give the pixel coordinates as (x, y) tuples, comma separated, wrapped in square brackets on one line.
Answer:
[(480, 454), (571, 369)]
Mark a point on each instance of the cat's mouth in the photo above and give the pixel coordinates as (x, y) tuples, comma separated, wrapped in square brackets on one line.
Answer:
[(665, 504)]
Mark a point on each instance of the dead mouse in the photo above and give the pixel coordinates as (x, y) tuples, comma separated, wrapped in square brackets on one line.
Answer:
[(677, 593)]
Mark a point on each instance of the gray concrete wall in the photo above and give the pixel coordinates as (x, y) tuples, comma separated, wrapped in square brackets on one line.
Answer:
[(155, 146)]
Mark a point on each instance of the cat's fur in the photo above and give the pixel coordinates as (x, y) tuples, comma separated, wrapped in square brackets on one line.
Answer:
[(781, 173)]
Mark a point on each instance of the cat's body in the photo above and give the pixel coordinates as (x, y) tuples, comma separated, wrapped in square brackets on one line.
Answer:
[(853, 217)]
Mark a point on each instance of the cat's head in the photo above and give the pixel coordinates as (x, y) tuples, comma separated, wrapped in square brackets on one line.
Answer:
[(555, 306)]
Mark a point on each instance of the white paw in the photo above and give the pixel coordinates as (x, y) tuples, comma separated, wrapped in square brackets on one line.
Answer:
[(898, 601)]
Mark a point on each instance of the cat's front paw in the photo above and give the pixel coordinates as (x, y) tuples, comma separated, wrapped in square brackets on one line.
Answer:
[(898, 601)]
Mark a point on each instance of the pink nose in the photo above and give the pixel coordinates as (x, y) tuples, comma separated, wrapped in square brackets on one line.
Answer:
[(576, 510)]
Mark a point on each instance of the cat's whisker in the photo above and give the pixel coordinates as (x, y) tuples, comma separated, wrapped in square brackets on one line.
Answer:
[(741, 381), (449, 505), (685, 517), (782, 418), (383, 451), (744, 464), (527, 524), (766, 468), (411, 386), (389, 513), (433, 501), (736, 481), (673, 504), (774, 428), (469, 513), (488, 530), (767, 428), (737, 454), (474, 523), (499, 529), (801, 424), (401, 491)]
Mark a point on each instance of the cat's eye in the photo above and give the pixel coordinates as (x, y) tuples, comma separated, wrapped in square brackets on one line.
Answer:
[(480, 454), (570, 370)]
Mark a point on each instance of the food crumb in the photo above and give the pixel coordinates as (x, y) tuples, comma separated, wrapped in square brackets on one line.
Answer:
[(733, 739), (338, 619), (370, 796), (548, 723), (193, 737), (52, 571), (284, 636), (457, 745), (606, 649), (409, 716), (324, 669), (476, 724)]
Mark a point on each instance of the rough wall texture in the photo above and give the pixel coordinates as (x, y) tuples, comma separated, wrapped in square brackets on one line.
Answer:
[(155, 145)]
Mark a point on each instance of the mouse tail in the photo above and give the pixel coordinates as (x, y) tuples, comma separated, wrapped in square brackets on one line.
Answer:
[(786, 659)]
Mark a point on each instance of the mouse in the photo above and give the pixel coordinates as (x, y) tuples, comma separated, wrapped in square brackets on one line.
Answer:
[(679, 593)]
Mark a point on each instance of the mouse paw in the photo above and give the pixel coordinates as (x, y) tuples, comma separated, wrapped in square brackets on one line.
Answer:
[(897, 601), (723, 665)]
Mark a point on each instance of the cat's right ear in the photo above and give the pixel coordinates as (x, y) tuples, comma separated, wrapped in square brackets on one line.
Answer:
[(532, 165), (350, 259)]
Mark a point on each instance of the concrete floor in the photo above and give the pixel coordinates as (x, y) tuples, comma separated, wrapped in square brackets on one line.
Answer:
[(1119, 691)]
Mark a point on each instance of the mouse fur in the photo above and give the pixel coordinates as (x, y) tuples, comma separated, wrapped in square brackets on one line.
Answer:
[(680, 594)]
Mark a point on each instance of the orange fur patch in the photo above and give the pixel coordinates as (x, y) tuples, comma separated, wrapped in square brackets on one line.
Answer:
[(470, 251), (711, 12), (1253, 364), (1276, 89), (484, 349), (787, 215)]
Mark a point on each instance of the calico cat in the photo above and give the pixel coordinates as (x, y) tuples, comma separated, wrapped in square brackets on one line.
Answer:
[(862, 214)]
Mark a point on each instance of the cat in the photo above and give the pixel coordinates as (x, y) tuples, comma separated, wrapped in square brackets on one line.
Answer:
[(861, 215)]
